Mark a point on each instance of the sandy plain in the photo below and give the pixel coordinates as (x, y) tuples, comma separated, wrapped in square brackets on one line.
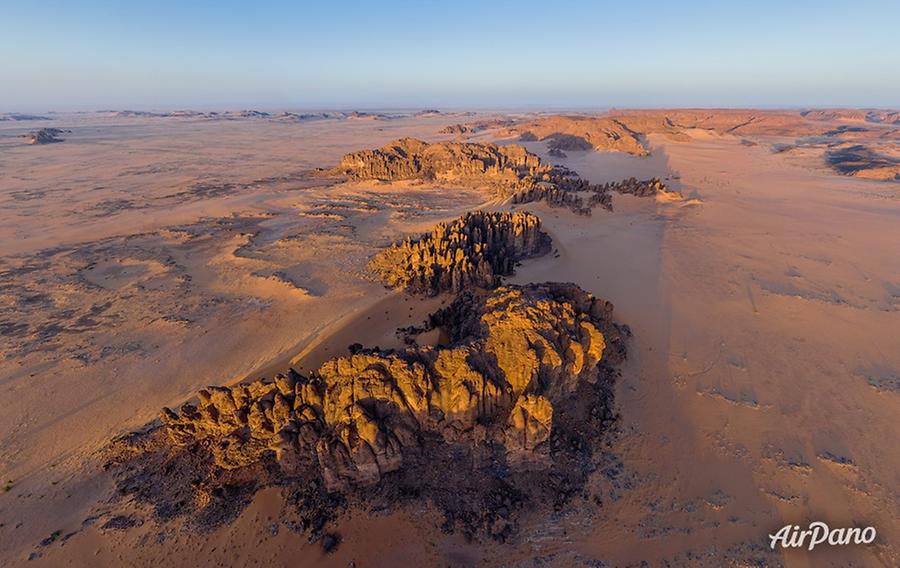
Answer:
[(145, 258)]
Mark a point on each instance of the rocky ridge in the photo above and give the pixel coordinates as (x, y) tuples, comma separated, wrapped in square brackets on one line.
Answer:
[(476, 249)]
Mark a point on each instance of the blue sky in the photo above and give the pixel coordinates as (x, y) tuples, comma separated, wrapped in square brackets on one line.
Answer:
[(93, 54)]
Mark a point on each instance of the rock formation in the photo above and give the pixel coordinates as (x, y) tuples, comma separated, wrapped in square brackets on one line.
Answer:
[(509, 417), (557, 153), (44, 136), (639, 188), (474, 250), (579, 133), (510, 171), (504, 167), (456, 129), (567, 142), (568, 189), (515, 355), (253, 114)]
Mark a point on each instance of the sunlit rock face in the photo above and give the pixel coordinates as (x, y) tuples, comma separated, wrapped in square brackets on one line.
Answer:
[(509, 171), (515, 354), (508, 166), (474, 250)]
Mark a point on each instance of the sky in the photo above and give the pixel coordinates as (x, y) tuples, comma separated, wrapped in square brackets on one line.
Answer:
[(333, 54)]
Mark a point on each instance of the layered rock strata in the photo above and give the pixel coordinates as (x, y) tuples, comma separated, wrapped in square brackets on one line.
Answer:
[(474, 250), (515, 354)]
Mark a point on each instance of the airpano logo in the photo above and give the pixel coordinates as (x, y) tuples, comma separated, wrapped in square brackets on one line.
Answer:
[(791, 536)]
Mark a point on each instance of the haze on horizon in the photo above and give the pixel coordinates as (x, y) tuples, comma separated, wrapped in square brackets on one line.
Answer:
[(403, 54)]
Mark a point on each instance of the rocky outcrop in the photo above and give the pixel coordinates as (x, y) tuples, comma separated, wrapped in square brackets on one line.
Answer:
[(568, 142), (639, 188), (45, 136), (579, 133), (510, 171), (515, 355), (458, 129), (569, 198), (556, 153), (474, 250), (581, 197), (253, 114), (505, 168)]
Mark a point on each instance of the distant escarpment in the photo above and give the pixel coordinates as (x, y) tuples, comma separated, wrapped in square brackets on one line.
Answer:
[(856, 142), (525, 380), (17, 116), (628, 130), (474, 250), (510, 171)]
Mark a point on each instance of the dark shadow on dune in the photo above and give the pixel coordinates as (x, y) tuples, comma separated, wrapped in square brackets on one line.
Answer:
[(852, 159)]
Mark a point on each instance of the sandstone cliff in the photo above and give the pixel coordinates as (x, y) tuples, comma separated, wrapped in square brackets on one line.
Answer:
[(474, 250)]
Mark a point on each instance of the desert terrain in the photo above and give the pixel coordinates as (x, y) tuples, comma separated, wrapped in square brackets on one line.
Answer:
[(751, 266)]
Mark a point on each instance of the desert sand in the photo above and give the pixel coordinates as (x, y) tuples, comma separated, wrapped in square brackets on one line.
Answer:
[(145, 257)]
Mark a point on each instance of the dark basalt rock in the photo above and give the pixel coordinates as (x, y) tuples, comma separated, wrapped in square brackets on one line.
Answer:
[(45, 136)]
